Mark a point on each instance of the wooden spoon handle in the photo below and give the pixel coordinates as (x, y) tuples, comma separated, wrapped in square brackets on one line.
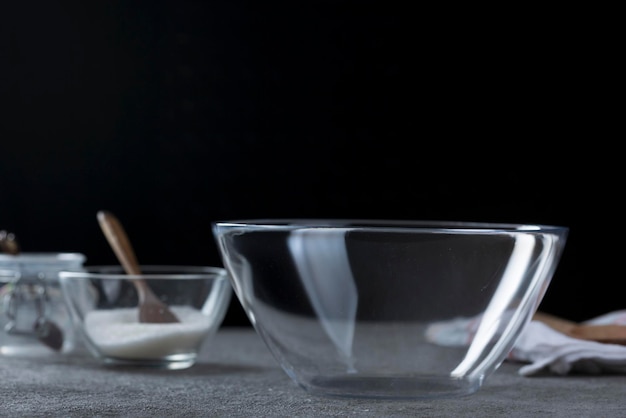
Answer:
[(119, 241), (609, 334), (564, 326)]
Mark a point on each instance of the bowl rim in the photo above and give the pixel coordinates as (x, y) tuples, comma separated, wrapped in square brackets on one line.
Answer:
[(148, 272), (389, 224)]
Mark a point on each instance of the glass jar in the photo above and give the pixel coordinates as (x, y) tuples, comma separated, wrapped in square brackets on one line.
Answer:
[(34, 319)]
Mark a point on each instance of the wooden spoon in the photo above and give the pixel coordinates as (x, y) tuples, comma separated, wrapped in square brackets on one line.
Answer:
[(151, 308), (609, 334)]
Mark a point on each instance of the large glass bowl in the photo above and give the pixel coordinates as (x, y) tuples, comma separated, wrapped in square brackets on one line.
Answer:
[(356, 308)]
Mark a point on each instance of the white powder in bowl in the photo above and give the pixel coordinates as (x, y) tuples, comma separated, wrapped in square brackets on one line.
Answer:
[(118, 333)]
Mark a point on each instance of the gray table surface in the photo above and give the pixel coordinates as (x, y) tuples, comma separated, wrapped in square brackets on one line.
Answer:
[(237, 377)]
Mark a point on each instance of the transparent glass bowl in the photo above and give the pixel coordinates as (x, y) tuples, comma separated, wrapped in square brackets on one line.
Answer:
[(359, 308), (103, 304), (34, 319)]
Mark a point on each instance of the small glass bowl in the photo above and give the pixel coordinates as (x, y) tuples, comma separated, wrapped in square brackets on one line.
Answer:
[(34, 319), (103, 304), (369, 308)]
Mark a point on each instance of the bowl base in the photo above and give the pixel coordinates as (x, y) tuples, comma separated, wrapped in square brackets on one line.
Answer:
[(174, 362), (391, 387)]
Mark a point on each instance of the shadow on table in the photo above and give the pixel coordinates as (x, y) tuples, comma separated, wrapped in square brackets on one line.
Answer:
[(198, 369)]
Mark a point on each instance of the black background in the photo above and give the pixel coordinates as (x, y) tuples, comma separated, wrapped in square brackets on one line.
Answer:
[(173, 114)]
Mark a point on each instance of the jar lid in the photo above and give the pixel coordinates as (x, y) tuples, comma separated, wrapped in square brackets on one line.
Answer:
[(41, 265)]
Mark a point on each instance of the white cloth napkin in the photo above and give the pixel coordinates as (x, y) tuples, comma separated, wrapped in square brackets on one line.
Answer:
[(545, 350)]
